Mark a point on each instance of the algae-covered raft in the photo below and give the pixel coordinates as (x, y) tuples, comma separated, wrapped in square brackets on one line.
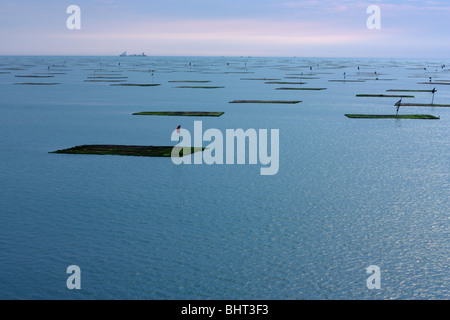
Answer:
[(189, 81), (265, 101), (198, 87), (179, 113), (392, 116), (136, 84), (124, 150), (302, 89), (407, 90), (38, 83), (384, 96), (425, 105)]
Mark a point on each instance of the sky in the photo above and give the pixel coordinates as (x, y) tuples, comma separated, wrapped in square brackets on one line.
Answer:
[(281, 28)]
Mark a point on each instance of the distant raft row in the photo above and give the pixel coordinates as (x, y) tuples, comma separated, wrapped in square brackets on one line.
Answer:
[(166, 151)]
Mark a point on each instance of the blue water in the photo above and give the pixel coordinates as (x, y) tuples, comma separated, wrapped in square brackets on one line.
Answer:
[(349, 193)]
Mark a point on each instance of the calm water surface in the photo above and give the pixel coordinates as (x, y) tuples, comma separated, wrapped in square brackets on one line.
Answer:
[(349, 193)]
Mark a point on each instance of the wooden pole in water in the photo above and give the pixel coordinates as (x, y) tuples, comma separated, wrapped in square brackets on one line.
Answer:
[(433, 92), (398, 104)]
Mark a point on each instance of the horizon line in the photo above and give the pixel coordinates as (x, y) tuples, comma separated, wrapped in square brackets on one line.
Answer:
[(217, 56)]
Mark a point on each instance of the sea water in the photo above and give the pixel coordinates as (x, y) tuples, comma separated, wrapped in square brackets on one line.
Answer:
[(350, 193)]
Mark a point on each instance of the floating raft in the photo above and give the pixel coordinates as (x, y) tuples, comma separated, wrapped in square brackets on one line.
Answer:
[(303, 78), (104, 74), (284, 82), (437, 83), (13, 69), (313, 89), (265, 101), (198, 87), (107, 77), (384, 96), (38, 83), (33, 76), (136, 84), (49, 73), (424, 105), (190, 81), (346, 81), (103, 80), (393, 116), (406, 90), (122, 150), (238, 72), (262, 79), (179, 113), (377, 79)]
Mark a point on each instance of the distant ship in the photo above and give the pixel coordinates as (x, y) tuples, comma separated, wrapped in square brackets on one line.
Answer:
[(124, 54)]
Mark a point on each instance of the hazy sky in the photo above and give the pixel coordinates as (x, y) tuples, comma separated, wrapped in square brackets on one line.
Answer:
[(409, 28)]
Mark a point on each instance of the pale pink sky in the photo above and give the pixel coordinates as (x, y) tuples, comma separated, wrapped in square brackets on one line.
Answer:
[(200, 27)]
